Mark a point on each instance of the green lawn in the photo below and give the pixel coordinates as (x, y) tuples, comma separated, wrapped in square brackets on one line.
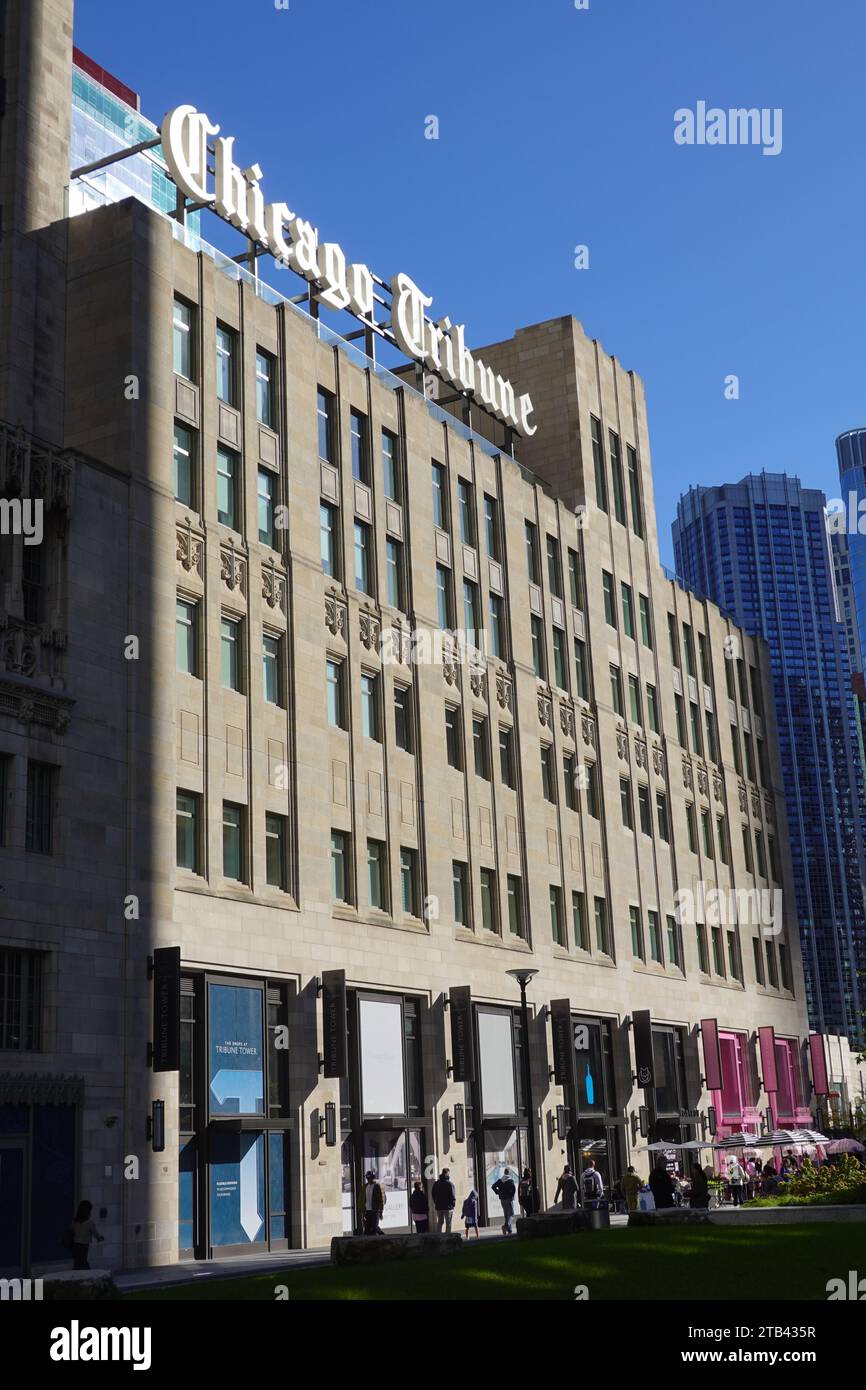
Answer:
[(684, 1263)]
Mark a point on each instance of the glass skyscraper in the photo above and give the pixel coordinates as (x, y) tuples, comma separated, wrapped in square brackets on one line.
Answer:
[(760, 549)]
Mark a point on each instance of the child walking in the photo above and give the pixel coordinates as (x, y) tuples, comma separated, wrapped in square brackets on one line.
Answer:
[(470, 1213)]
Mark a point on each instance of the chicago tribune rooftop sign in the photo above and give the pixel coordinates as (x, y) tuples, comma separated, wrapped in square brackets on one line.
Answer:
[(236, 196)]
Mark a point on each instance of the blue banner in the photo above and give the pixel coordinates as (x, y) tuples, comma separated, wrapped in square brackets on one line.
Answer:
[(237, 1189), (237, 1070)]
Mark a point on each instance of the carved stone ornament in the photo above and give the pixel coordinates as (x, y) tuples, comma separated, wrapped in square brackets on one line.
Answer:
[(477, 678), (369, 627), (622, 744), (274, 587), (703, 782), (545, 709), (587, 729), (640, 753), (503, 692), (744, 800), (566, 718), (717, 788), (233, 569), (658, 760), (335, 616), (688, 778), (190, 549)]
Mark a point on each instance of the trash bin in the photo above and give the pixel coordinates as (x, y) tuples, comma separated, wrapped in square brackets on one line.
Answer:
[(599, 1216)]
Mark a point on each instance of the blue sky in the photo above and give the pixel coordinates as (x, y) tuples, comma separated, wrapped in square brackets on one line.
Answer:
[(556, 129)]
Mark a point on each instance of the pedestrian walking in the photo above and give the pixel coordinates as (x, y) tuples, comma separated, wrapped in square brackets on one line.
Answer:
[(737, 1181), (593, 1184), (506, 1191), (566, 1188), (526, 1193), (420, 1208), (700, 1189), (631, 1185), (444, 1200), (374, 1204), (469, 1212), (81, 1235), (661, 1186)]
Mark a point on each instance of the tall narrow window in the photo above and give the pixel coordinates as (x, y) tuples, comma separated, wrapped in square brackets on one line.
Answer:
[(496, 627), (184, 466), (234, 855), (371, 714), (394, 573), (272, 668), (267, 487), (662, 817), (581, 670), (403, 726), (675, 957), (182, 324), (390, 480), (480, 747), (358, 433), (616, 691), (266, 411), (634, 491), (466, 511), (39, 816), (592, 798), (695, 718), (616, 476), (655, 937), (227, 487), (625, 803), (275, 851), (548, 774), (679, 709), (470, 612), (515, 906), (539, 662), (186, 636), (491, 527), (609, 603), (188, 836), (652, 709), (444, 599), (363, 559), (575, 579), (643, 806), (634, 700), (560, 665), (377, 875), (637, 946), (557, 920), (329, 540), (335, 694), (453, 737), (646, 627), (506, 755), (440, 496), (409, 882), (707, 829), (627, 610), (579, 923), (340, 875), (554, 567), (598, 463), (230, 653), (532, 563), (569, 781), (489, 901), (325, 425), (460, 881), (674, 639), (602, 941), (226, 357)]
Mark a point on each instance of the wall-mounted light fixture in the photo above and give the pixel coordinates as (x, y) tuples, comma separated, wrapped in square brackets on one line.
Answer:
[(328, 1125), (156, 1126)]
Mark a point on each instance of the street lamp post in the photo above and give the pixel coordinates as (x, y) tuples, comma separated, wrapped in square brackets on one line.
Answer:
[(523, 977)]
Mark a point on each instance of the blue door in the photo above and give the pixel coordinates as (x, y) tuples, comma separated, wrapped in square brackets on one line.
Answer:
[(12, 1169)]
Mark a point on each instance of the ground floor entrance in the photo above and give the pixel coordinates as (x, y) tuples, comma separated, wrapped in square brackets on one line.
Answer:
[(37, 1183)]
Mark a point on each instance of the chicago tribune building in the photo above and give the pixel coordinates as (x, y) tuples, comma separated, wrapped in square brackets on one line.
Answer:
[(332, 694)]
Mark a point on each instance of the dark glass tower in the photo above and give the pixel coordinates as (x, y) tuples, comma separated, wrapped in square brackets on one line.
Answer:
[(760, 549)]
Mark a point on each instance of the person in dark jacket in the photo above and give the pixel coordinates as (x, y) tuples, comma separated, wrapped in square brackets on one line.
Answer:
[(505, 1190), (525, 1194), (470, 1212), (661, 1186), (700, 1189), (444, 1200), (420, 1208), (82, 1233), (566, 1188)]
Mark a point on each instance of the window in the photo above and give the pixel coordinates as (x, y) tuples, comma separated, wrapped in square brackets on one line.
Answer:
[(627, 610), (266, 412), (466, 511), (646, 627), (704, 654), (182, 323), (336, 694), (710, 724), (695, 718), (707, 829), (20, 1000), (785, 968), (691, 826), (266, 493), (272, 668), (679, 709), (759, 960), (440, 496), (33, 584), (703, 953), (39, 824), (329, 540), (722, 839), (275, 851), (233, 842), (532, 553), (227, 487), (453, 737), (750, 756), (363, 556), (598, 463), (609, 605), (390, 480), (635, 700), (470, 612), (5, 786), (662, 817), (560, 666), (515, 906), (409, 882), (569, 781), (325, 422), (184, 466), (634, 491), (581, 669), (377, 875), (759, 853), (616, 690), (735, 742), (718, 952), (491, 526), (625, 803), (489, 902), (747, 849), (674, 953), (557, 921), (689, 648), (460, 881), (226, 368), (616, 476), (652, 709), (548, 776), (186, 636), (403, 718), (230, 653), (188, 837), (735, 965), (506, 755), (601, 934), (539, 665), (444, 600), (637, 946), (575, 579), (643, 807), (592, 805), (497, 627), (479, 744), (394, 573), (578, 922), (655, 937), (774, 862), (554, 567), (359, 436), (371, 714), (674, 640), (340, 881)]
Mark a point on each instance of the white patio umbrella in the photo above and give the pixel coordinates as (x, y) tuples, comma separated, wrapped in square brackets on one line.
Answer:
[(740, 1140), (810, 1136)]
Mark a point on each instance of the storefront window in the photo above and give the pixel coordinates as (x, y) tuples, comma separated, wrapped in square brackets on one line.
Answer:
[(395, 1157), (788, 1094), (736, 1088), (236, 1073), (670, 1086), (237, 1188), (381, 1028), (495, 1046)]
